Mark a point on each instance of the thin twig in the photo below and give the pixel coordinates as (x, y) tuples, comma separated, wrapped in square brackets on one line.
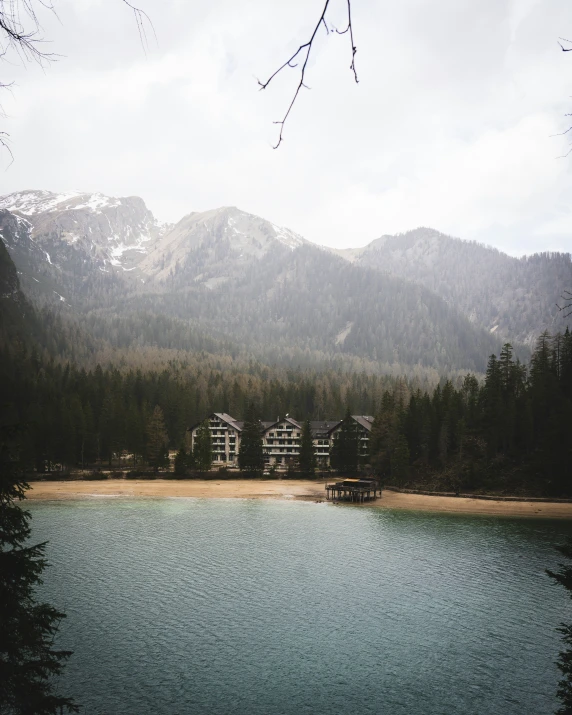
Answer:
[(567, 298), (304, 51), (350, 29), (20, 32), (140, 18)]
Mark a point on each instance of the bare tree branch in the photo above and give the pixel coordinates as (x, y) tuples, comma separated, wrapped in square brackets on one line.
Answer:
[(141, 18), (560, 134), (20, 33), (302, 55), (567, 298), (4, 144), (350, 29)]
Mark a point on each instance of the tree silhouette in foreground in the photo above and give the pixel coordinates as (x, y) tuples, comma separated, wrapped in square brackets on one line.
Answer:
[(564, 577), (28, 659)]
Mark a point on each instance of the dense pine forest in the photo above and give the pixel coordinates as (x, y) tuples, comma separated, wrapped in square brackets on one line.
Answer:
[(506, 434)]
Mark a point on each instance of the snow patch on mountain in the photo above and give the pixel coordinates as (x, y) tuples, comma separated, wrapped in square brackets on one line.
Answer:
[(84, 227), (96, 202), (287, 237), (35, 202)]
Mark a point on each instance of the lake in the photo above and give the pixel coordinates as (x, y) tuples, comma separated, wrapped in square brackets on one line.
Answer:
[(267, 607)]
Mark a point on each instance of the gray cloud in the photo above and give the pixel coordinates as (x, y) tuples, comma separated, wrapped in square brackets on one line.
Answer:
[(449, 127)]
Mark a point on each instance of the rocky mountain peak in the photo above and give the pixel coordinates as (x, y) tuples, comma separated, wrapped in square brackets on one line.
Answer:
[(108, 231), (222, 234)]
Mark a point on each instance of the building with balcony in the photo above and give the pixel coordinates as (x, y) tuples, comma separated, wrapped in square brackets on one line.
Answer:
[(280, 439)]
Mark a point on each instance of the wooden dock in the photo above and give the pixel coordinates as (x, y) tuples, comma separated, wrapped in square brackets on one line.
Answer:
[(357, 491)]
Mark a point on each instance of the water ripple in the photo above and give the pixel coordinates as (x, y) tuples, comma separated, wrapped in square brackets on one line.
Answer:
[(246, 607)]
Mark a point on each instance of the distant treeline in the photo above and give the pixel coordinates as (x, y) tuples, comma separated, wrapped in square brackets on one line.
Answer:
[(78, 417), (510, 433)]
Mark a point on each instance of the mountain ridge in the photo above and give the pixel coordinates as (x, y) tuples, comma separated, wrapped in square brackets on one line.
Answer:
[(238, 277)]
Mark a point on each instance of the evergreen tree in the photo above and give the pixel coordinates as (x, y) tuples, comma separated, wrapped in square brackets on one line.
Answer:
[(400, 460), (250, 454), (181, 461), (564, 577), (344, 456), (203, 451), (28, 660), (381, 435), (307, 458), (157, 440)]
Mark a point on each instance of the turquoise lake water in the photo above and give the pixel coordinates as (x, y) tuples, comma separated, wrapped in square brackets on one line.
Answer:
[(262, 607)]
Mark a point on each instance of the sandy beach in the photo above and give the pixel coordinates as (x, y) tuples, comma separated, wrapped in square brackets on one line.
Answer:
[(286, 489)]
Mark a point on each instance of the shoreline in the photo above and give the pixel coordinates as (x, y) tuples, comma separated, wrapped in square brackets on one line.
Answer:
[(304, 490)]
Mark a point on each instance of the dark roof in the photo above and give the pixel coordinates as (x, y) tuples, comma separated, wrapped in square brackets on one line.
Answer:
[(365, 421), (359, 483), (269, 425), (322, 428)]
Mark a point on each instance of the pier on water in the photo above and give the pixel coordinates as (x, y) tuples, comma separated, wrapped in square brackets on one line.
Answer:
[(353, 490)]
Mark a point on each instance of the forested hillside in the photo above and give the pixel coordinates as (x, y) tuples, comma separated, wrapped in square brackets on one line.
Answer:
[(514, 298), (226, 281)]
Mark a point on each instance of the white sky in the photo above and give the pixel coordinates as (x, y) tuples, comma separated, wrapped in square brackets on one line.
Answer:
[(449, 127)]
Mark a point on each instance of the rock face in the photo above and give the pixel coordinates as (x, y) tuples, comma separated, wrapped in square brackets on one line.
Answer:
[(9, 283), (18, 323), (220, 236), (74, 227)]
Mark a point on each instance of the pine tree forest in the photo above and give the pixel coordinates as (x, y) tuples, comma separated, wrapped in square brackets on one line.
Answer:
[(506, 433)]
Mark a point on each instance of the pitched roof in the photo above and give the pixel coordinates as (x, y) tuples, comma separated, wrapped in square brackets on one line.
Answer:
[(365, 421), (323, 427), (269, 425), (235, 424), (229, 420)]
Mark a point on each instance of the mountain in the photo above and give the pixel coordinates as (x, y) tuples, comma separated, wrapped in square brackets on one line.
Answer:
[(228, 280), (217, 236), (514, 298), (106, 231), (18, 322), (72, 247)]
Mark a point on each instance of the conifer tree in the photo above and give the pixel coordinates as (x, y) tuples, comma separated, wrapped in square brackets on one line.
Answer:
[(381, 436), (250, 454), (181, 461), (157, 440), (344, 456), (564, 577), (307, 458), (28, 660), (202, 451), (400, 460)]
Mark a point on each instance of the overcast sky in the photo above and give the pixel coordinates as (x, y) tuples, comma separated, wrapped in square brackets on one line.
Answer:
[(450, 126)]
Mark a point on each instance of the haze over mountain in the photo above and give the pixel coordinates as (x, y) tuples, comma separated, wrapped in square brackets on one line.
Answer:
[(226, 277), (514, 297)]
